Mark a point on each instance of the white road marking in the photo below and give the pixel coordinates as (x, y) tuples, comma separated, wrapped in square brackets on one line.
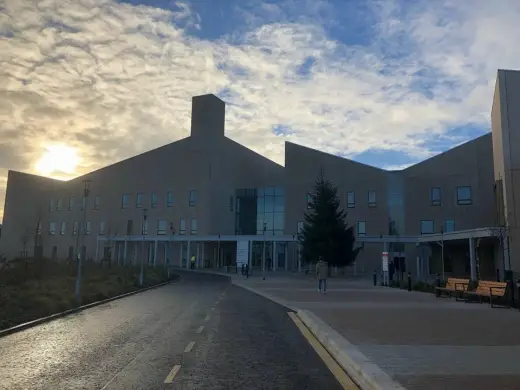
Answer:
[(189, 346), (173, 372), (207, 318), (200, 329)]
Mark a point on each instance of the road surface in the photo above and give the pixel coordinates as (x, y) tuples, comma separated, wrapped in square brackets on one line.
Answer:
[(198, 333)]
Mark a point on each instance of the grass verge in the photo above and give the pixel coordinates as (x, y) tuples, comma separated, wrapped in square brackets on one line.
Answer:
[(31, 289)]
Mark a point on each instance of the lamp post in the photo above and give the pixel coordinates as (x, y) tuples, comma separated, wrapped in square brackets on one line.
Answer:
[(86, 192), (172, 233), (442, 252), (263, 252), (141, 274)]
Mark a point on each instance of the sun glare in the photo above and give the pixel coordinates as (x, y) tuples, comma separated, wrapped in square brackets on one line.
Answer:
[(57, 159)]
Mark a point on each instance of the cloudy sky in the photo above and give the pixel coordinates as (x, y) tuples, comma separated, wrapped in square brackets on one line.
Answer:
[(84, 83)]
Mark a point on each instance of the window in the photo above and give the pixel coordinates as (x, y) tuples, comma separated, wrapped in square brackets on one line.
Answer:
[(372, 201), (435, 196), (129, 227), (153, 200), (125, 199), (449, 226), (351, 199), (75, 228), (63, 228), (87, 227), (231, 203), (161, 226), (83, 203), (71, 204), (427, 227), (51, 205), (193, 197), (464, 195), (59, 204), (169, 199), (139, 200), (300, 227), (182, 227), (52, 228), (144, 228), (193, 226), (101, 228), (309, 201), (361, 228), (97, 201)]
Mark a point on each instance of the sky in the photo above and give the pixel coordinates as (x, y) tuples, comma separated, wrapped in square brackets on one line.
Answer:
[(85, 83)]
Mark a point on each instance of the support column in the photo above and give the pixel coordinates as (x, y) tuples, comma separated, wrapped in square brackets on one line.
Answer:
[(203, 263), (155, 253), (97, 249), (274, 256), (180, 251), (136, 244), (286, 246), (197, 258), (250, 254), (125, 251), (188, 256), (166, 253), (473, 258)]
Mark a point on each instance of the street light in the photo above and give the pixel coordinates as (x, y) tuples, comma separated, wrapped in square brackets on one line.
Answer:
[(141, 274), (263, 252), (86, 192)]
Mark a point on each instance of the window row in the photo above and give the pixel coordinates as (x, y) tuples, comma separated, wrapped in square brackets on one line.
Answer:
[(163, 227), (57, 204), (154, 199), (463, 196), (351, 199), (428, 227)]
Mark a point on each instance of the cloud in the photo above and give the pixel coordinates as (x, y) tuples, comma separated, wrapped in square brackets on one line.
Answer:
[(112, 80)]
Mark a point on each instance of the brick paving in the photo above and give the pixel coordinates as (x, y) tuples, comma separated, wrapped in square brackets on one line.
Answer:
[(422, 341)]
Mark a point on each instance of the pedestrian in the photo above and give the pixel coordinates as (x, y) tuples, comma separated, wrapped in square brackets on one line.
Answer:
[(242, 268), (247, 271), (192, 265), (322, 271)]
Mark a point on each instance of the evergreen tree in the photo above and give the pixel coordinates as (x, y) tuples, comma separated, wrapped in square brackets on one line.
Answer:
[(325, 230)]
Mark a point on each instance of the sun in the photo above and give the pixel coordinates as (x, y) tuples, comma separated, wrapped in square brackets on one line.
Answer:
[(57, 159)]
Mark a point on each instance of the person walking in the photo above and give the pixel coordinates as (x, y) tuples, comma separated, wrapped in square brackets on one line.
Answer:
[(322, 272), (192, 261)]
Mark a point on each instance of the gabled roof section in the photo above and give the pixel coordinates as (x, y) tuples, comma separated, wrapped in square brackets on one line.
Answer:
[(460, 152), (290, 145)]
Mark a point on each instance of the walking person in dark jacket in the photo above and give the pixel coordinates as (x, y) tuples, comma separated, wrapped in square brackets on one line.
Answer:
[(322, 272)]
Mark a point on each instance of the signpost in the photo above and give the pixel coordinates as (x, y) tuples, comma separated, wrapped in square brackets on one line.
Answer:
[(385, 268)]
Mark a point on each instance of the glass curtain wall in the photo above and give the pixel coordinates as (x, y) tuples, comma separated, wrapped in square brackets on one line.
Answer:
[(258, 208)]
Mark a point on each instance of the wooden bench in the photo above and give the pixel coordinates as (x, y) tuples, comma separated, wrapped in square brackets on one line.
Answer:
[(487, 289), (453, 286)]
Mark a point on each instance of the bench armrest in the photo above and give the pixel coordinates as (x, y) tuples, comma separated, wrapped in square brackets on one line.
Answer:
[(491, 290), (461, 284)]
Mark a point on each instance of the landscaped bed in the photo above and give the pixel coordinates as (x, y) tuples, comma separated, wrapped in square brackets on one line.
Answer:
[(30, 289)]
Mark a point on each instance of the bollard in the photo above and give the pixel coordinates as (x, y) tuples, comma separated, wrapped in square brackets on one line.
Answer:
[(375, 278), (409, 281), (437, 284)]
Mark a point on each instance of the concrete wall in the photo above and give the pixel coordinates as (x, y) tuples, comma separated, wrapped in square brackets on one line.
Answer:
[(470, 164), (505, 124)]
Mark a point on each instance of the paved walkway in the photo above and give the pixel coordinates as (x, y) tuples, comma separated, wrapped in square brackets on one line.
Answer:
[(422, 341)]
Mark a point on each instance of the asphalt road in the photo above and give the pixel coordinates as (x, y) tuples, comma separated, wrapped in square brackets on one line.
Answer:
[(199, 333)]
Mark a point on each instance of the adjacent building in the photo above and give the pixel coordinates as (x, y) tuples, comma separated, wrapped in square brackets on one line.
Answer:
[(208, 196)]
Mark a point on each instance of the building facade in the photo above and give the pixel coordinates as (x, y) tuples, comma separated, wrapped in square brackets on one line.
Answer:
[(205, 194)]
